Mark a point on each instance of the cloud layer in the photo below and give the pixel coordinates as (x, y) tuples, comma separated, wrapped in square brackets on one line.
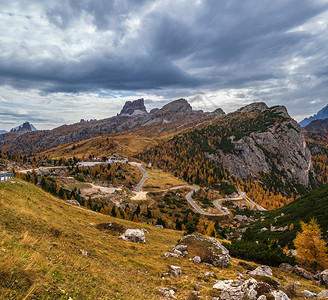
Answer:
[(84, 54)]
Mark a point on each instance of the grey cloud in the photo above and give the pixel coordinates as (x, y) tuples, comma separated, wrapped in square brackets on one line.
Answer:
[(169, 48)]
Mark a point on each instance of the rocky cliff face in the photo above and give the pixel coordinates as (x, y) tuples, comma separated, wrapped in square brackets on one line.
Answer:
[(133, 108), (25, 127), (275, 147)]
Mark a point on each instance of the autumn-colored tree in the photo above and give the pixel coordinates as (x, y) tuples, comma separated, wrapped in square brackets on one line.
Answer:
[(311, 248), (135, 218), (210, 230), (166, 222), (201, 226)]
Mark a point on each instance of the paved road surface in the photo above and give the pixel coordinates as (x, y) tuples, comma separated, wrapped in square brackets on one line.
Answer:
[(224, 210), (144, 175)]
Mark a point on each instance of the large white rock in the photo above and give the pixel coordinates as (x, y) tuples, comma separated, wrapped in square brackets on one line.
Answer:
[(175, 271), (323, 277), (240, 218), (197, 260), (181, 247), (308, 294), (262, 271), (222, 284), (279, 295), (303, 273), (237, 289), (167, 293), (323, 295), (134, 235), (217, 255)]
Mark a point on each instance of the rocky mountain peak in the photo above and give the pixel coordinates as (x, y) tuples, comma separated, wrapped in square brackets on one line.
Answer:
[(133, 108), (256, 106), (281, 110), (25, 127), (217, 113), (177, 106)]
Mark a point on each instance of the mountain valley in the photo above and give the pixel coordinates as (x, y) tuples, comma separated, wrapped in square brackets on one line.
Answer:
[(247, 178)]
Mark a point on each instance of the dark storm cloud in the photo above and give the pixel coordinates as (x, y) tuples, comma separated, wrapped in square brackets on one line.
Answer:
[(86, 45)]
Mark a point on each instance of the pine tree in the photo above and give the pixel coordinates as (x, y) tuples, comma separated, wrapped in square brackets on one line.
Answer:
[(311, 248)]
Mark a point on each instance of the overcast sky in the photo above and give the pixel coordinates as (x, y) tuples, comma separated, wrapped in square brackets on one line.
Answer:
[(61, 61)]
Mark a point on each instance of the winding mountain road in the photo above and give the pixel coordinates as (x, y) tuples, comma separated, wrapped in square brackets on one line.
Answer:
[(144, 175), (224, 211)]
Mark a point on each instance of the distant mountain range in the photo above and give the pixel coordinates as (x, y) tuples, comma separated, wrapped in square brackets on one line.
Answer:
[(322, 114), (174, 116), (3, 131)]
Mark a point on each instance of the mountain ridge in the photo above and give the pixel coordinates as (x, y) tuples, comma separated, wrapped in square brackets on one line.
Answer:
[(319, 126), (322, 114), (172, 116)]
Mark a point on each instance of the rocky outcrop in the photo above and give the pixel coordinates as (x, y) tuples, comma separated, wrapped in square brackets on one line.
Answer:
[(133, 108), (167, 293), (261, 271), (175, 271), (247, 289), (172, 112), (308, 294), (73, 202), (286, 267), (240, 218), (134, 235), (280, 229), (323, 277), (25, 127), (208, 249), (323, 295), (274, 144), (253, 107), (303, 273)]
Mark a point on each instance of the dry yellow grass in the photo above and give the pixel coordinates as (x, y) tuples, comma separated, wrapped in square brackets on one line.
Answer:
[(126, 145), (160, 180), (40, 258)]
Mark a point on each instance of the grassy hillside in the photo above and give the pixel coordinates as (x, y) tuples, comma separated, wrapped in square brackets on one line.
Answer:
[(313, 204), (41, 238)]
